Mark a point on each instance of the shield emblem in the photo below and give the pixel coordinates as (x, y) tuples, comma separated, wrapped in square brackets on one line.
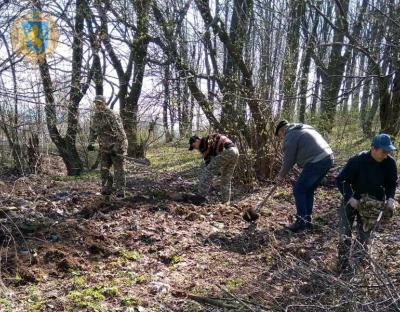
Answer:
[(36, 35)]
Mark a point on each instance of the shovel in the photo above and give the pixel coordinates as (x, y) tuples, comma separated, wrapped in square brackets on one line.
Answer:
[(139, 161), (252, 214)]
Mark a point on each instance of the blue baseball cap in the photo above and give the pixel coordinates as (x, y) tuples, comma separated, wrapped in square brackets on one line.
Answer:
[(383, 141)]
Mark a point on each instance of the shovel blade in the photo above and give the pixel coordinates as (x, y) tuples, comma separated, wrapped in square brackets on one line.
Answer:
[(251, 215)]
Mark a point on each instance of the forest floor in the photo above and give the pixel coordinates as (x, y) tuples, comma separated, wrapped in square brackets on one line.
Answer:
[(64, 249)]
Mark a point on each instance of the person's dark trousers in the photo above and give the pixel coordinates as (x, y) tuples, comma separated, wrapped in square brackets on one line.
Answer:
[(305, 187), (347, 216)]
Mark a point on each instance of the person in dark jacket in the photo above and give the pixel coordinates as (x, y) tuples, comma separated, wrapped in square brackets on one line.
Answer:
[(304, 146), (220, 156), (368, 184)]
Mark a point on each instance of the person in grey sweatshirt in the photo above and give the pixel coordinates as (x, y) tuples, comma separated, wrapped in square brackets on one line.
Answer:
[(304, 146)]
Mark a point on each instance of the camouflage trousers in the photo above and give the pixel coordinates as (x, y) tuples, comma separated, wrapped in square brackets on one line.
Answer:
[(107, 160), (225, 164), (366, 217)]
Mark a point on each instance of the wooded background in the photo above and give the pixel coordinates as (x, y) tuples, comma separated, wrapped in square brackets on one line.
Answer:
[(177, 66)]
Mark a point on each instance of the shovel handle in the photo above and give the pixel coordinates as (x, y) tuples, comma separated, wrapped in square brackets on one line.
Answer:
[(135, 160), (262, 203)]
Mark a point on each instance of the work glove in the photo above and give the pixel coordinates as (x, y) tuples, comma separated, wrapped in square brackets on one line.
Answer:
[(390, 208), (90, 147), (353, 202)]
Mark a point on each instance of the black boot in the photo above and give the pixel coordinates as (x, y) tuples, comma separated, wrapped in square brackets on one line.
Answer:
[(297, 226), (342, 265), (120, 194), (308, 223), (345, 269)]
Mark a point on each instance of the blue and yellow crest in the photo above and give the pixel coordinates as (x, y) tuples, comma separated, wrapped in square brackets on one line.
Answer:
[(35, 36)]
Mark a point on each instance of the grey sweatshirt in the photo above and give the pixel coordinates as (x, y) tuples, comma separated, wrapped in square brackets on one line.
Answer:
[(302, 144)]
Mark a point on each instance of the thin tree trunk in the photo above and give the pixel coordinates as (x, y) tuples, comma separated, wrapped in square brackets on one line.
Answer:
[(316, 94), (296, 11), (135, 69), (332, 80), (66, 146), (166, 103), (129, 113), (306, 69)]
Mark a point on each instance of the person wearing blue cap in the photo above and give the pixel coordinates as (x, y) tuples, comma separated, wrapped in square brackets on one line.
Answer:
[(368, 183)]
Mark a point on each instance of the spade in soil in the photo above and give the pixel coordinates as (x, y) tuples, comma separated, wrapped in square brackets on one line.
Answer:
[(253, 214)]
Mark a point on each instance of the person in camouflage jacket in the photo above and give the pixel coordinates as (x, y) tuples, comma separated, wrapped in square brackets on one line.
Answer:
[(220, 156), (107, 128), (368, 184)]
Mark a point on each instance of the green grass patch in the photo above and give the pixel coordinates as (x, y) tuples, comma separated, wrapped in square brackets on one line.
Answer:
[(232, 284), (130, 278), (124, 278), (5, 305), (140, 279), (175, 259), (35, 302), (127, 302), (92, 297), (130, 255), (78, 280), (173, 159), (87, 176), (111, 292)]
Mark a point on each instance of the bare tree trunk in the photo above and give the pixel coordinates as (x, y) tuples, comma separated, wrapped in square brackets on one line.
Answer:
[(296, 11), (10, 125), (237, 36), (316, 94), (348, 82), (261, 135), (184, 112), (166, 103), (364, 103), (306, 67), (390, 105), (129, 112), (33, 154), (355, 101), (66, 145), (389, 86), (375, 35), (332, 81), (135, 69), (198, 118), (367, 126)]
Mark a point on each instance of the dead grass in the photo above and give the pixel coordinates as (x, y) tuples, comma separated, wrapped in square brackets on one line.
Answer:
[(151, 253)]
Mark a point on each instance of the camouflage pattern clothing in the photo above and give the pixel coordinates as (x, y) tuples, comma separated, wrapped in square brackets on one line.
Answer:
[(221, 157), (108, 129), (369, 210), (366, 216)]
